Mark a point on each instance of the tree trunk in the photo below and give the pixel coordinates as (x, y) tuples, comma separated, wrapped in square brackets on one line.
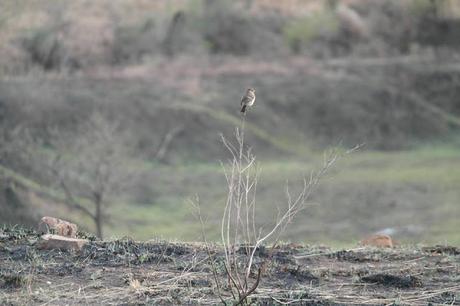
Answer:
[(98, 218), (98, 221)]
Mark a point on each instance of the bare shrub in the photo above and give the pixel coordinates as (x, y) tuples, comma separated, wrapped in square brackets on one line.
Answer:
[(90, 167), (133, 42), (44, 48), (73, 38), (300, 32), (241, 236), (232, 30), (14, 203)]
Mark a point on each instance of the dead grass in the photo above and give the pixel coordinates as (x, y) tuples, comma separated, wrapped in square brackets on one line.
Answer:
[(159, 272)]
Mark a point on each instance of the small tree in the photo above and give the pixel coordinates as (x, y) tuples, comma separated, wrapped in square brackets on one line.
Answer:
[(90, 167), (240, 235)]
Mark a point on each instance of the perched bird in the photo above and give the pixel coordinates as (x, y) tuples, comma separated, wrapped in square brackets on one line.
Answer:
[(248, 99)]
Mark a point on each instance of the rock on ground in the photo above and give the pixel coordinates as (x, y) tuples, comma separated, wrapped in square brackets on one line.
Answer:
[(49, 241)]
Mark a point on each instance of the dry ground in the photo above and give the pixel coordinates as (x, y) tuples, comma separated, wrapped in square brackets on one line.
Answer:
[(125, 272)]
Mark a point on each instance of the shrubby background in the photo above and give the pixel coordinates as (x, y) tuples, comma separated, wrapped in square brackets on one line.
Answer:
[(128, 98)]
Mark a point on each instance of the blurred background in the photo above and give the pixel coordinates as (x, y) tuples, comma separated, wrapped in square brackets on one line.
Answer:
[(111, 113)]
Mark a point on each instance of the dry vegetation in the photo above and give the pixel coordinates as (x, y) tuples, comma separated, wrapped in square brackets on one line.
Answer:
[(159, 272), (166, 78), (168, 75), (111, 114)]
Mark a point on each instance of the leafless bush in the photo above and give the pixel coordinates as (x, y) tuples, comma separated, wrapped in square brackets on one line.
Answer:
[(14, 204), (14, 143), (44, 48), (232, 31), (90, 167), (132, 43), (11, 144), (241, 237), (71, 41)]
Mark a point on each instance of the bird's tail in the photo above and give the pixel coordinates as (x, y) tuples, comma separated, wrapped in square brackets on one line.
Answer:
[(243, 109)]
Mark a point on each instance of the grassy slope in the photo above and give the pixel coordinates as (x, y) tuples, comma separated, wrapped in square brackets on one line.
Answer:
[(427, 178), (365, 192), (425, 181)]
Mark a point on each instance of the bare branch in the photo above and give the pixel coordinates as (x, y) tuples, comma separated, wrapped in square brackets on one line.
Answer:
[(70, 200), (253, 288), (167, 139)]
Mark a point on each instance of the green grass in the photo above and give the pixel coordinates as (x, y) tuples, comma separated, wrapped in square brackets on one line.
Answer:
[(433, 169), (425, 181), (285, 144)]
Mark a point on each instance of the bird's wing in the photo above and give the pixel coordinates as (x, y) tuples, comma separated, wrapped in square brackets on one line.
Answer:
[(245, 100)]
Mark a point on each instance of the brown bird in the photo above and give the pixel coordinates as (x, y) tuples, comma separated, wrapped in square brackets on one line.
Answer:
[(248, 99)]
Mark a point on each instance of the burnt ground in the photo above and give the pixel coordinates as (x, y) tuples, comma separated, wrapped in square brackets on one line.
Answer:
[(125, 272)]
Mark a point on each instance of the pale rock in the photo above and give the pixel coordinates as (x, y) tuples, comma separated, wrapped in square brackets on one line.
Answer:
[(61, 227), (381, 241), (49, 242)]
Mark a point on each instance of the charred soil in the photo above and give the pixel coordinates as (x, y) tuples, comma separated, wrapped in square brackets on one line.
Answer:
[(126, 272)]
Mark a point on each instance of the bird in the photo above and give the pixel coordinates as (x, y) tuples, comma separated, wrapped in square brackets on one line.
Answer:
[(248, 99)]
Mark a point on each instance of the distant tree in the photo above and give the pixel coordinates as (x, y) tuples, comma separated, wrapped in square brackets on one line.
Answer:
[(14, 142), (14, 137), (90, 167)]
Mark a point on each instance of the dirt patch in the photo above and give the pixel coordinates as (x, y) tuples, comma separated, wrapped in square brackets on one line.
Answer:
[(127, 251), (298, 274), (10, 281), (408, 281), (443, 249), (353, 256)]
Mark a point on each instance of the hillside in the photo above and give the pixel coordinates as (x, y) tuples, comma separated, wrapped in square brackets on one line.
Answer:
[(123, 104)]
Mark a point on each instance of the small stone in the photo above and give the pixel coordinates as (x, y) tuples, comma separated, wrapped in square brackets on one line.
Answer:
[(378, 240), (49, 242), (60, 227)]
